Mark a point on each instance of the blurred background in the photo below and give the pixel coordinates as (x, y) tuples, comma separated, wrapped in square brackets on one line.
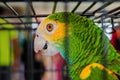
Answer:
[(19, 20)]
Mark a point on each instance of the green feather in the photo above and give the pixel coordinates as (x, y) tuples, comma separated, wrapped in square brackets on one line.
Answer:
[(87, 44)]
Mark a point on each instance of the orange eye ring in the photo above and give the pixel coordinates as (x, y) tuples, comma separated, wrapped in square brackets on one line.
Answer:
[(49, 27)]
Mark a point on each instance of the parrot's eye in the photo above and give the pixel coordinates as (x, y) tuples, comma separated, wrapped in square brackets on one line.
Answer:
[(49, 27)]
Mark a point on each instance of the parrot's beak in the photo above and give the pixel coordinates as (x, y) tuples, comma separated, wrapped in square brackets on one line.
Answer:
[(39, 43), (43, 47)]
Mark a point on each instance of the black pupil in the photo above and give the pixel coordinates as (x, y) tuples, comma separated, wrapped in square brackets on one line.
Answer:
[(49, 26)]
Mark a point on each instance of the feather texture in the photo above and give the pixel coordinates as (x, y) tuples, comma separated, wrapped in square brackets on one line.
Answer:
[(87, 44)]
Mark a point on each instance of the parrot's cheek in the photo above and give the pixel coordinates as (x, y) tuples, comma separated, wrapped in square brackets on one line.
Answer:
[(50, 50), (43, 47)]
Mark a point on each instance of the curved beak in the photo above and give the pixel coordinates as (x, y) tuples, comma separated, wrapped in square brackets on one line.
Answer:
[(39, 44)]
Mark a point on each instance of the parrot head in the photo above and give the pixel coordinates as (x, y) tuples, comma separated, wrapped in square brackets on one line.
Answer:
[(49, 36)]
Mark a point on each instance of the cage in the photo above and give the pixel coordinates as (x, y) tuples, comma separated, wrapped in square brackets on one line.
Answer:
[(19, 20)]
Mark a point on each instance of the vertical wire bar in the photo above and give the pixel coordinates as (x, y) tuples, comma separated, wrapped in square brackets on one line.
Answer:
[(54, 7), (33, 10), (67, 37), (29, 44), (75, 8), (105, 47), (52, 69), (113, 27)]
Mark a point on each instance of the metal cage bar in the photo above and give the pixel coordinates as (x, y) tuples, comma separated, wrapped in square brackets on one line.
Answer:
[(89, 7), (103, 6), (109, 12)]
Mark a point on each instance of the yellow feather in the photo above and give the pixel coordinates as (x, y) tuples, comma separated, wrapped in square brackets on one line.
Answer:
[(86, 71), (59, 33)]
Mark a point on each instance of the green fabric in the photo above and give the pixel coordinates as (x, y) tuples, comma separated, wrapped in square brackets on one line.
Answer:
[(6, 50)]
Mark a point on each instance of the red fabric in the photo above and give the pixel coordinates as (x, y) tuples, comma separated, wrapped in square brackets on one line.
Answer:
[(114, 39)]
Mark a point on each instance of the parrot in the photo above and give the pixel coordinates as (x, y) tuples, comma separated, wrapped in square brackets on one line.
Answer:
[(82, 44)]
